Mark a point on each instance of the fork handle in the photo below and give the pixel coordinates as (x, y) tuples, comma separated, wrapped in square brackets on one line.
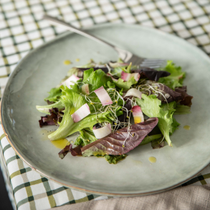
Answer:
[(57, 22)]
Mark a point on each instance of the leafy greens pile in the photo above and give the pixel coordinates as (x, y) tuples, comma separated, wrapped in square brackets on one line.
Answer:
[(156, 94)]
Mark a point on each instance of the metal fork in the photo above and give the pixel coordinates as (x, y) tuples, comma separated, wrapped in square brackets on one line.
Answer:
[(125, 55)]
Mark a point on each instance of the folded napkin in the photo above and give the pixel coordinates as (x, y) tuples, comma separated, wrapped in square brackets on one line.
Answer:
[(186, 198)]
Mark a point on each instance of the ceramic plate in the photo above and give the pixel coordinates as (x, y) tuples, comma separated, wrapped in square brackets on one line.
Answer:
[(43, 69)]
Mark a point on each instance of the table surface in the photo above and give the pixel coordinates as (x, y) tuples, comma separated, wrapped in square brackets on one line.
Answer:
[(22, 29)]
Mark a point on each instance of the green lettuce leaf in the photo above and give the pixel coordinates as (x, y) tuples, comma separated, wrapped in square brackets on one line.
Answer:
[(114, 159), (176, 77), (64, 127), (87, 74), (54, 94), (45, 108), (110, 84), (89, 122), (68, 127), (117, 71), (95, 79), (151, 138), (71, 101), (167, 124), (151, 106), (125, 85), (174, 126), (86, 137), (76, 88), (182, 109)]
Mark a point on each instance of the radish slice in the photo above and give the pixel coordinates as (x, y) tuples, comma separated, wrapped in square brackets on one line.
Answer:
[(102, 132), (133, 92), (126, 76), (70, 81), (85, 89), (137, 114), (81, 113), (103, 96)]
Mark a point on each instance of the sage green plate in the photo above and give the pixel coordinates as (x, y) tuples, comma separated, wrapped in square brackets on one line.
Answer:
[(43, 69)]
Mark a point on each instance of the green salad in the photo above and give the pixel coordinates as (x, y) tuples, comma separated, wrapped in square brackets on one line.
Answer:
[(115, 107)]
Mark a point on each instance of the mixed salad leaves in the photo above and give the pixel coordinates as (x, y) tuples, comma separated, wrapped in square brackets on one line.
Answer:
[(115, 107)]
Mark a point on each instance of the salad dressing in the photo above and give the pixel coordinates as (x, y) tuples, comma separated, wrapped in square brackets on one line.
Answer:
[(152, 159), (60, 143), (187, 127), (67, 62)]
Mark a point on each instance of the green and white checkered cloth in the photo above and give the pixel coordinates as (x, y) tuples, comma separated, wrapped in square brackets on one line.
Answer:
[(21, 30)]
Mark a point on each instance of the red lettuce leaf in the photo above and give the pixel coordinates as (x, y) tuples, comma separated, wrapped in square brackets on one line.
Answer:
[(151, 74), (179, 95), (170, 95), (186, 99), (65, 151), (52, 119), (122, 141), (76, 151), (68, 148)]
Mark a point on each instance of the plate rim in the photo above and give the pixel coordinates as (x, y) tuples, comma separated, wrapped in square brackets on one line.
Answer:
[(60, 37)]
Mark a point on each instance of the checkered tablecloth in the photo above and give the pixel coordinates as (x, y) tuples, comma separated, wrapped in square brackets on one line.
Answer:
[(22, 29)]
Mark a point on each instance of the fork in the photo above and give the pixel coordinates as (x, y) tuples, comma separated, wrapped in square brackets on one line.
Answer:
[(125, 55)]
